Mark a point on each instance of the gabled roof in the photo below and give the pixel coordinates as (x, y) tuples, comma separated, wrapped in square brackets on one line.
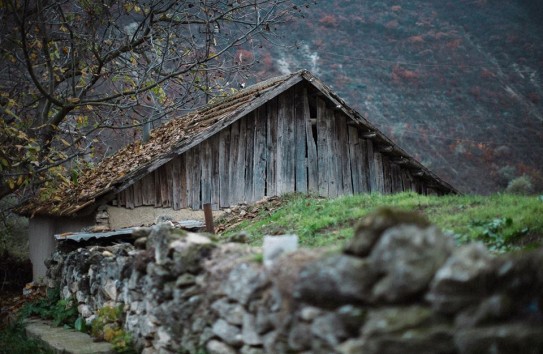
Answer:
[(178, 135)]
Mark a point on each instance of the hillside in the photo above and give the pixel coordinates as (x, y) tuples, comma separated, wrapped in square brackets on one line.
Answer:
[(503, 222), (457, 84)]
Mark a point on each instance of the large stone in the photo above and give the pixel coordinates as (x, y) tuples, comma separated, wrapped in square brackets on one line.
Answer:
[(465, 278), (334, 281), (407, 257), (216, 347), (227, 332), (330, 329), (244, 281), (395, 319), (437, 339), (369, 230), (233, 313), (249, 334), (501, 339)]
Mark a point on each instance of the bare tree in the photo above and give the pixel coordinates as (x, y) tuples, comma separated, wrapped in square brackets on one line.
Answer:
[(75, 68)]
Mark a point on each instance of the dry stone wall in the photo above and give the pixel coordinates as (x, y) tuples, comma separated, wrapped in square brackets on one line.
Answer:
[(399, 286)]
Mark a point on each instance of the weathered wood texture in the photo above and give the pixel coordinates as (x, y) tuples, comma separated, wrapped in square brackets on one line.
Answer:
[(277, 148)]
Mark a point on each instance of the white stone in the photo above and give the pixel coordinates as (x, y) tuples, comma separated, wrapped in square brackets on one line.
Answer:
[(84, 310), (275, 246), (110, 289)]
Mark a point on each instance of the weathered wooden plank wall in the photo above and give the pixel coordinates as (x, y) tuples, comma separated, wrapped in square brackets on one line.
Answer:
[(282, 146)]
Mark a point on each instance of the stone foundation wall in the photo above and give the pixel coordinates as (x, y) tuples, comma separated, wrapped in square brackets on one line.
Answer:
[(399, 286)]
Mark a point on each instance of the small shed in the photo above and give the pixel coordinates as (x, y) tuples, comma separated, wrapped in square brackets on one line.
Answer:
[(287, 134)]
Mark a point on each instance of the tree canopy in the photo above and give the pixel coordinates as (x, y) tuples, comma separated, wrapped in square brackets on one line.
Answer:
[(76, 70)]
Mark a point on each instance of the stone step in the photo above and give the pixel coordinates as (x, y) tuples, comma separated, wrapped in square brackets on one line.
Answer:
[(64, 341)]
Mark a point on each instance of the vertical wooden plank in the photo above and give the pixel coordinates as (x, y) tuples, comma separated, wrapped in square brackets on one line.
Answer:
[(336, 180), (129, 193), (188, 178), (260, 159), (354, 157), (233, 164), (240, 168), (322, 148), (121, 199), (343, 153), (372, 171), (164, 173), (364, 169), (215, 176), (138, 194), (224, 173), (396, 178), (196, 178), (158, 196), (183, 180), (378, 163), (249, 156), (271, 148), (387, 173), (312, 157), (205, 165), (176, 183), (285, 144), (300, 163)]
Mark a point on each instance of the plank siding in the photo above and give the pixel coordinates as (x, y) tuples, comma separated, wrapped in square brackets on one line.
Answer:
[(373, 179), (343, 153), (224, 176), (271, 148), (312, 158), (205, 163), (379, 178), (215, 176), (322, 149), (387, 171), (260, 158), (285, 144), (300, 116), (334, 173), (249, 157), (233, 163), (240, 168)]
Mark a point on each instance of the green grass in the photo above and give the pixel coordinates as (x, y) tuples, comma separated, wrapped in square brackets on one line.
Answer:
[(502, 221)]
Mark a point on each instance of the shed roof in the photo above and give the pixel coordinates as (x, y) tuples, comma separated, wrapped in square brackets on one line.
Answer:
[(117, 172)]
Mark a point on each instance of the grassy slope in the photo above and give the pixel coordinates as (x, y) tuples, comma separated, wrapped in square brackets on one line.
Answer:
[(502, 221)]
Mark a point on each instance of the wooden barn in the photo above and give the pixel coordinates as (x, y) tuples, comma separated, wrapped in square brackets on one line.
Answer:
[(287, 134)]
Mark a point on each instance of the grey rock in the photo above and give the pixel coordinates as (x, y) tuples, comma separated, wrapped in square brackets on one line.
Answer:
[(437, 339), (251, 350), (503, 338), (351, 346), (185, 279), (369, 230), (249, 334), (334, 281), (395, 319), (244, 281), (264, 321), (330, 329), (227, 332), (216, 347), (352, 317), (309, 313), (300, 336), (495, 308), (408, 256), (233, 313), (463, 280)]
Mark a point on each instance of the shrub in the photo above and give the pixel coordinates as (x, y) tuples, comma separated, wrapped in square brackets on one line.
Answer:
[(520, 186)]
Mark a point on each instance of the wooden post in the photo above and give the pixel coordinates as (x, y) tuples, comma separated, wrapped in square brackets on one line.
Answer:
[(208, 214)]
